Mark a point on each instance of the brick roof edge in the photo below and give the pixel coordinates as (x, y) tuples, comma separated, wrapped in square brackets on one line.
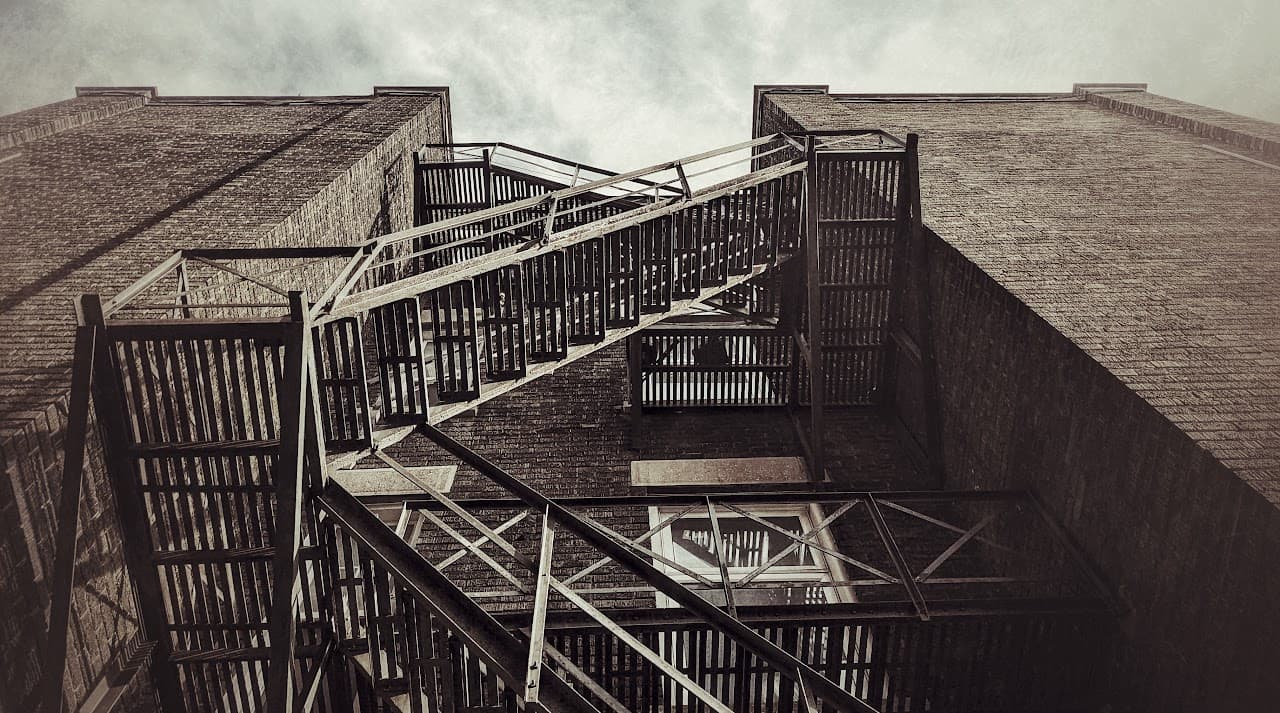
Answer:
[(128, 99), (152, 95), (1113, 98)]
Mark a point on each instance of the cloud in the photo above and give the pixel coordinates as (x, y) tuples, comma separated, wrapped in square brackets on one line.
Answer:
[(627, 84)]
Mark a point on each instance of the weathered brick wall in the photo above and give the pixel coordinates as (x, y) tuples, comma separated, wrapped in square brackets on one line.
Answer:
[(92, 206), (1105, 323)]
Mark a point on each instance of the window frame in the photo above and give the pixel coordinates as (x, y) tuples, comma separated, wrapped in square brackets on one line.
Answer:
[(826, 569)]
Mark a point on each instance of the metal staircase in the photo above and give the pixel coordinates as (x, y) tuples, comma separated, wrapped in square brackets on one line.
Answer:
[(227, 396)]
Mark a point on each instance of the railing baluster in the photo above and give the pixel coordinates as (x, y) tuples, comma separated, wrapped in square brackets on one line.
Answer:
[(656, 261), (585, 283), (401, 369), (686, 253), (500, 297), (622, 256), (454, 338), (547, 307), (344, 392)]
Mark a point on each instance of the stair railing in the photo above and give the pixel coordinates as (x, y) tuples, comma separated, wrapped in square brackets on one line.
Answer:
[(399, 257)]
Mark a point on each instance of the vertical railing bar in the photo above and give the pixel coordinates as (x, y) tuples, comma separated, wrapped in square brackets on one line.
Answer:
[(537, 629)]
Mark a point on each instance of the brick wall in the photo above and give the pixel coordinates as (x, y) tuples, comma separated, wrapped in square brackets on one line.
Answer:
[(1188, 546), (93, 200), (1106, 336), (570, 434)]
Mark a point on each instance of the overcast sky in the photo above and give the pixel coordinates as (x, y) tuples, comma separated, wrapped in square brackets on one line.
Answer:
[(622, 85)]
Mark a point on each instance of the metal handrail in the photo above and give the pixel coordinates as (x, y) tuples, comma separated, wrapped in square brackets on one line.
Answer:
[(344, 303), (576, 165)]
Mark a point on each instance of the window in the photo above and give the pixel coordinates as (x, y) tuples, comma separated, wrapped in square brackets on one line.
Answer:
[(796, 573)]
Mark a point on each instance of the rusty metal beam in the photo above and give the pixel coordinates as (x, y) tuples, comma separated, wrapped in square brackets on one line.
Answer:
[(737, 498), (924, 316), (899, 562), (538, 627), (813, 284)]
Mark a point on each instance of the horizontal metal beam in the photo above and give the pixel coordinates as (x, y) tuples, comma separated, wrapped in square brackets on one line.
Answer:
[(262, 331), (202, 449), (319, 251), (737, 498), (829, 614)]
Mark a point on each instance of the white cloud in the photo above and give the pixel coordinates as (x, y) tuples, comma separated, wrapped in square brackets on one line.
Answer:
[(625, 84)]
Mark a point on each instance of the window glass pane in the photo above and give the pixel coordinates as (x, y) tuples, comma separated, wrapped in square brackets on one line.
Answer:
[(747, 544)]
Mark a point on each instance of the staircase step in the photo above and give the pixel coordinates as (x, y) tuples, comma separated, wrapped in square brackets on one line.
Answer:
[(491, 390)]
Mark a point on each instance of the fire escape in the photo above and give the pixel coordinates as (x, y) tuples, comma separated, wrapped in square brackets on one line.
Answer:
[(232, 388)]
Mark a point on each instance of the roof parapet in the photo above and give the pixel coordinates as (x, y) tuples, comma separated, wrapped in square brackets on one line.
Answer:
[(1083, 88), (1253, 135), (147, 93), (152, 95)]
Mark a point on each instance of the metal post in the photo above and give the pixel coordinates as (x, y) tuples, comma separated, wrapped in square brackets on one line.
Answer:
[(290, 489), (537, 629), (817, 384), (635, 373), (924, 302), (487, 226), (725, 582)]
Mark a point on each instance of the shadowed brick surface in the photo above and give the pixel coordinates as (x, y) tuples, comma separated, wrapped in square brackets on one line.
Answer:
[(1157, 257), (100, 190), (1107, 330)]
